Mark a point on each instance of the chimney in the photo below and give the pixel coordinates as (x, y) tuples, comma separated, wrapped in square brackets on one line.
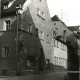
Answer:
[(64, 35), (0, 8)]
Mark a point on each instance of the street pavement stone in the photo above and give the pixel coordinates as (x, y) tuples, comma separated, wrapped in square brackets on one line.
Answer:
[(48, 76)]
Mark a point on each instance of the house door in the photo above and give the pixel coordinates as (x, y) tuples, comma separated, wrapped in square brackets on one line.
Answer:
[(41, 60), (41, 64)]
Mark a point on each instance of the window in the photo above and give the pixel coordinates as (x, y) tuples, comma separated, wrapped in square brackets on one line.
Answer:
[(57, 45), (42, 34), (54, 33), (64, 62), (8, 4), (5, 6), (54, 23), (36, 32), (56, 30), (62, 46), (5, 52), (59, 61), (64, 35), (55, 60), (8, 26), (54, 43), (29, 27), (39, 11), (42, 15)]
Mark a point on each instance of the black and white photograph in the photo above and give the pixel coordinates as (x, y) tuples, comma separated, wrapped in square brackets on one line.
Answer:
[(39, 40)]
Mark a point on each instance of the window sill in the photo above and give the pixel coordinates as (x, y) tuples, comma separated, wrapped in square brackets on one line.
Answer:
[(40, 17)]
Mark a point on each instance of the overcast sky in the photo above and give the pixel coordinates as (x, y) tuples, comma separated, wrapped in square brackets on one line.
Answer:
[(67, 10)]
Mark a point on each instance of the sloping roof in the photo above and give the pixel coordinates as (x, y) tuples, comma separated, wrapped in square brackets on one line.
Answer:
[(11, 10), (55, 18), (73, 28)]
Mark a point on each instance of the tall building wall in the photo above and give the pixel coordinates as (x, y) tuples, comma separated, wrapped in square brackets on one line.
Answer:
[(38, 8), (40, 20), (37, 13)]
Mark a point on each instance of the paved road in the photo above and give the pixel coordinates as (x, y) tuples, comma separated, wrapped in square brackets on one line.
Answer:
[(48, 76)]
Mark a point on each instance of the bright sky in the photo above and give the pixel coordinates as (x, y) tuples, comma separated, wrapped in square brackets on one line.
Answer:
[(67, 10)]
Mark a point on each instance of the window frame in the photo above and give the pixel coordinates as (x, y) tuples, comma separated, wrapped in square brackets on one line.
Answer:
[(42, 35), (43, 16), (29, 27), (8, 25), (36, 31), (5, 52), (6, 6)]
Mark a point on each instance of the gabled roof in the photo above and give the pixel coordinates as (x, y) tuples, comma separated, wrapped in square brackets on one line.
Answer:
[(12, 9), (73, 28), (55, 18)]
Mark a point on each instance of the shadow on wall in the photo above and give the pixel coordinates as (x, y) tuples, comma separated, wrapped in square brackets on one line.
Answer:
[(29, 56), (73, 58)]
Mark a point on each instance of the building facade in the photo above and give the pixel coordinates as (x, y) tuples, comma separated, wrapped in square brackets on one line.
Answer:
[(59, 55), (71, 38), (25, 36), (61, 31), (60, 34)]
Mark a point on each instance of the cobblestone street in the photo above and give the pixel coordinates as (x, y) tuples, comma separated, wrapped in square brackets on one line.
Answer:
[(48, 76)]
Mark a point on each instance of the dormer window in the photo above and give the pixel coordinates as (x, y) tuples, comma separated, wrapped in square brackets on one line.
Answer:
[(8, 4)]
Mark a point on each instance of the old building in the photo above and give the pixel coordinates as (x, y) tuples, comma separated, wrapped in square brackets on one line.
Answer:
[(76, 57), (61, 31), (59, 55), (76, 42), (25, 35)]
